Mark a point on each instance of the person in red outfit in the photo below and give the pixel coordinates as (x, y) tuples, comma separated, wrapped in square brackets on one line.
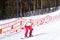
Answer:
[(28, 27)]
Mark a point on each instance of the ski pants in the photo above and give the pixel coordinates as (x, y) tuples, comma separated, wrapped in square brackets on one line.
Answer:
[(26, 30)]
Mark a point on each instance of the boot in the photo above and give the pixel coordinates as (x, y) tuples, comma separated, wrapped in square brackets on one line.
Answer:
[(25, 36), (30, 35)]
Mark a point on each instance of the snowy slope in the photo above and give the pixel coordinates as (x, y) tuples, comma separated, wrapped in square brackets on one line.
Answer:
[(50, 31)]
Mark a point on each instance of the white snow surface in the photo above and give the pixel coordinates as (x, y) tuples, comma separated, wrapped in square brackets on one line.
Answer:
[(50, 31)]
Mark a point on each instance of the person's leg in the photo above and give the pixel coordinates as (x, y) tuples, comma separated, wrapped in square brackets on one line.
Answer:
[(26, 31), (30, 33)]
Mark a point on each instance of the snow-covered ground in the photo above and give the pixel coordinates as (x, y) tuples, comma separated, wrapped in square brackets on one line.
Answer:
[(50, 31)]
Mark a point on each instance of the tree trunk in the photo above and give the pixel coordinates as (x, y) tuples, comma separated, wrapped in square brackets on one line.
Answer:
[(35, 5), (41, 6), (21, 8)]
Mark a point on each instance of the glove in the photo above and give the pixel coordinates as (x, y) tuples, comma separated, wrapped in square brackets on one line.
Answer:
[(22, 28)]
